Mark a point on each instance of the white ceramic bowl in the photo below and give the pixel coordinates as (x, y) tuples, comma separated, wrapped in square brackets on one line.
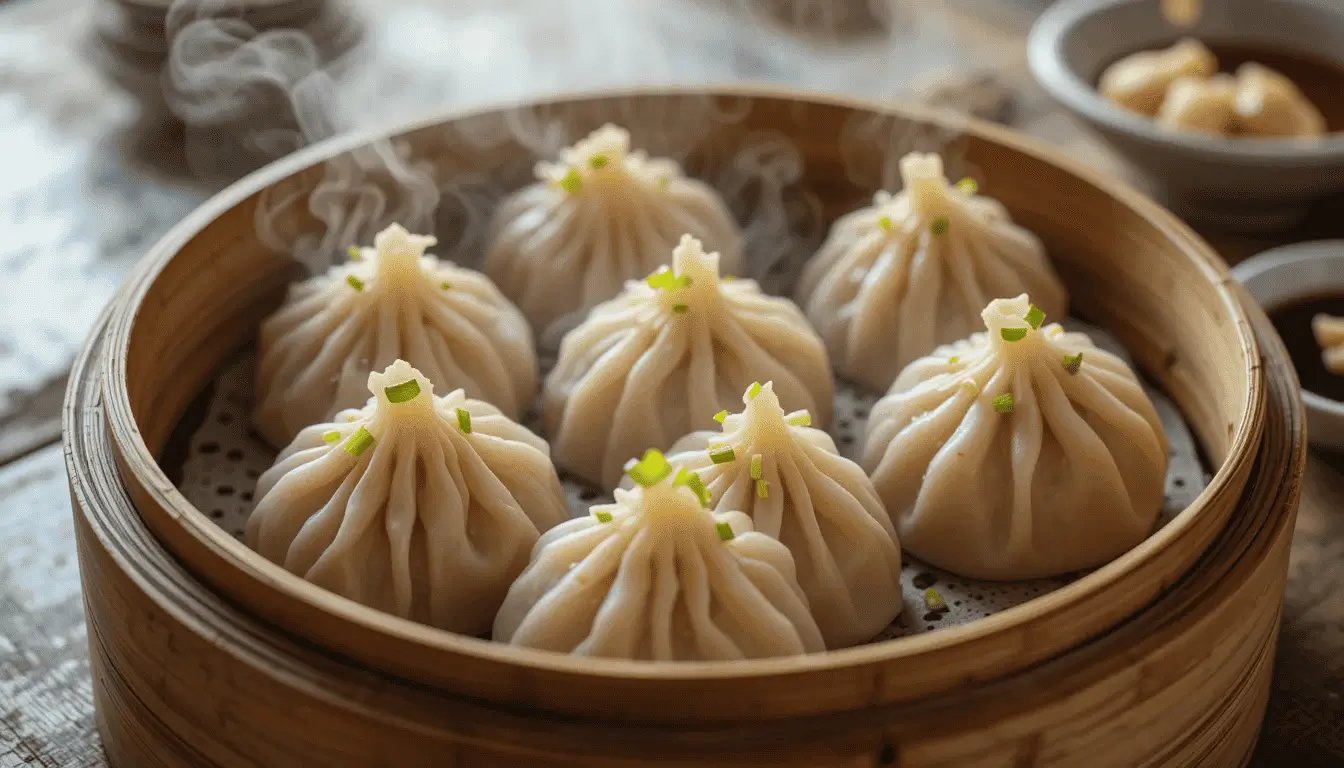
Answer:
[(1240, 184), (1285, 276)]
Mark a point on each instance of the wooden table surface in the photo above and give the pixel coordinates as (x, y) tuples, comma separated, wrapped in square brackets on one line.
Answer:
[(86, 187)]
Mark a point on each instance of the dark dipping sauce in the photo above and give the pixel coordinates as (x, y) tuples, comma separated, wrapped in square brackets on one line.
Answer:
[(1293, 322), (1320, 80)]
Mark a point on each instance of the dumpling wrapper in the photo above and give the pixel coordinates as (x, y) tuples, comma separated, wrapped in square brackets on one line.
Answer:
[(655, 364), (426, 521), (1140, 82), (656, 577), (895, 280), (821, 505), (1009, 460), (1201, 105), (1268, 104), (599, 217), (1329, 333), (392, 303)]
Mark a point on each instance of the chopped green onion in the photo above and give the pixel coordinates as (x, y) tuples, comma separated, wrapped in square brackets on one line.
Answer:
[(684, 281), (649, 470), (1035, 316), (692, 480), (334, 436), (885, 223), (725, 278), (400, 393), (445, 285), (971, 387), (354, 282), (1072, 363), (1004, 403), (763, 489), (359, 442), (598, 161), (720, 416), (934, 601), (722, 454), (663, 279), (572, 181), (939, 226), (801, 419), (968, 186), (602, 515), (756, 464), (953, 360), (663, 181), (754, 390), (681, 309), (1013, 334), (725, 531), (464, 421), (355, 253)]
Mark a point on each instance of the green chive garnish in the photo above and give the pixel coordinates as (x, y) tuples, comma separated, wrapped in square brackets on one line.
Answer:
[(934, 601), (333, 436), (725, 278), (445, 285), (649, 470), (680, 309), (725, 531), (692, 480), (400, 393), (464, 421), (722, 455), (354, 282), (720, 416), (663, 182), (968, 186), (756, 463), (801, 419), (885, 223), (684, 281), (1004, 403), (1072, 363), (1013, 334), (602, 515), (663, 279), (572, 181), (754, 390), (763, 489), (598, 161), (1035, 317), (971, 387), (355, 253), (939, 226), (953, 360), (359, 442)]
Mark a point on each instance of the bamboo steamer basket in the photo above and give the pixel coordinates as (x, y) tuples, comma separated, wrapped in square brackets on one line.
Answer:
[(205, 654)]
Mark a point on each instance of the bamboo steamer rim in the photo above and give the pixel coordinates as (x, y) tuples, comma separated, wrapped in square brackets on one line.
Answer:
[(417, 650)]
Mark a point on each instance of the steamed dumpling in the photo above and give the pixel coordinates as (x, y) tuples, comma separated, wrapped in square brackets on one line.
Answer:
[(422, 507), (599, 217), (1270, 105), (1140, 82), (1020, 453), (791, 481), (656, 577), (392, 302), (658, 361), (1201, 105), (913, 271), (1329, 333)]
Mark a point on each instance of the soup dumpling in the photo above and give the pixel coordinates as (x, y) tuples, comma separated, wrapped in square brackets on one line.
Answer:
[(1139, 82), (1201, 105)]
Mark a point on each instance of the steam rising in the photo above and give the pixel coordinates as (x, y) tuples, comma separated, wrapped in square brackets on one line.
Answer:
[(274, 91)]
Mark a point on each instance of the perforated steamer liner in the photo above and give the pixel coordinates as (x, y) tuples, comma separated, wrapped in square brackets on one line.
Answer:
[(200, 296), (225, 458)]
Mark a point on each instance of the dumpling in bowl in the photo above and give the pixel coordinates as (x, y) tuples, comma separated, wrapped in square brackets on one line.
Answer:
[(913, 271), (422, 507), (1270, 105), (657, 577), (658, 361), (1019, 453), (1329, 333), (391, 302), (795, 486), (1201, 105), (1140, 82), (602, 215)]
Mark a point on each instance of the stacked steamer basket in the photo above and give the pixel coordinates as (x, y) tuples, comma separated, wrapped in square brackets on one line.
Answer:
[(206, 654)]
